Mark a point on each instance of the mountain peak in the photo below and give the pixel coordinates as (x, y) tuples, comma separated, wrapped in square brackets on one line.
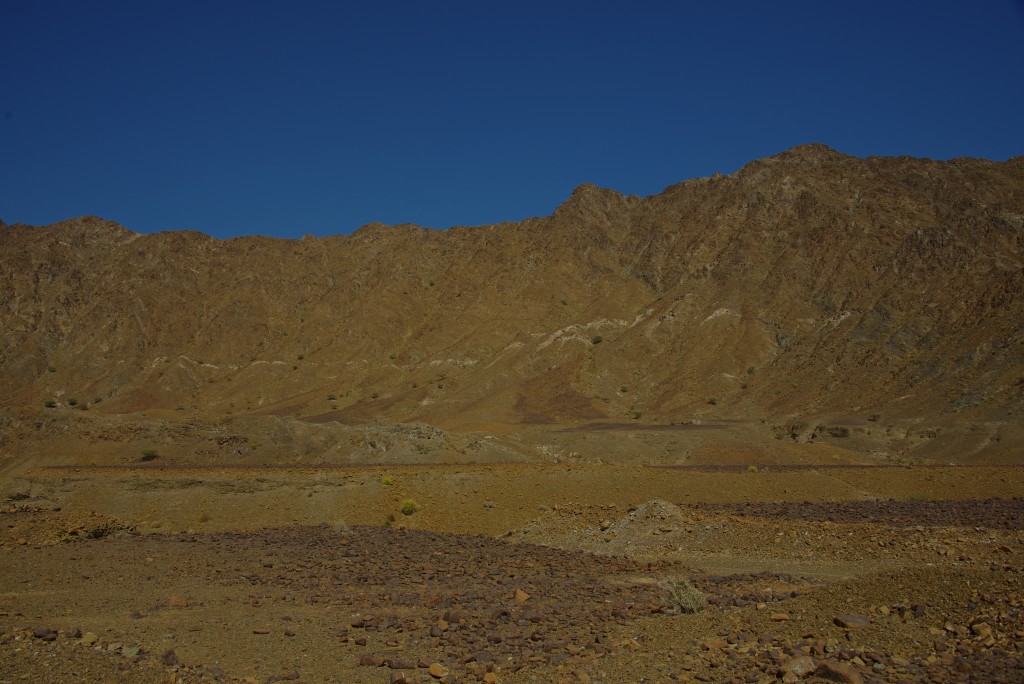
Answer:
[(589, 202)]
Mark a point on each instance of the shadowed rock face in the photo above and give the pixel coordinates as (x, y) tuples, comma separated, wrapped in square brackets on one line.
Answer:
[(810, 283)]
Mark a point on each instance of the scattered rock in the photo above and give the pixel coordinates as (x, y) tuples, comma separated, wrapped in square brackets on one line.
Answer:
[(799, 666), (437, 670), (521, 596), (838, 672), (849, 621)]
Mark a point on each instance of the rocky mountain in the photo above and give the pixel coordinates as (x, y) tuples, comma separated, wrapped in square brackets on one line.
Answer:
[(816, 294)]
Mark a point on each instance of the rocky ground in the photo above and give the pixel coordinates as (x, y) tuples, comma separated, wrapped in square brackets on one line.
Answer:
[(513, 574)]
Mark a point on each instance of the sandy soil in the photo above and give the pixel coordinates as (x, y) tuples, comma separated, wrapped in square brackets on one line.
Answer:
[(525, 573)]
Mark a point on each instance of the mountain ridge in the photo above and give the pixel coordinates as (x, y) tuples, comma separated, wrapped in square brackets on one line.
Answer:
[(808, 283)]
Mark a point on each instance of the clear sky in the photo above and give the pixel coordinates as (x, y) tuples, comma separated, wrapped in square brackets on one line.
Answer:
[(288, 118)]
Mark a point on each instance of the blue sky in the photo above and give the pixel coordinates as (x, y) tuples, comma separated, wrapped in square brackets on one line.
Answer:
[(283, 119)]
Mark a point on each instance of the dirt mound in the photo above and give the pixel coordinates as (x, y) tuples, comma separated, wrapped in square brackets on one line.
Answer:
[(644, 531)]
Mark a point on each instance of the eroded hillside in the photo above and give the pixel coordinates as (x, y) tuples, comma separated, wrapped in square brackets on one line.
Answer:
[(816, 295)]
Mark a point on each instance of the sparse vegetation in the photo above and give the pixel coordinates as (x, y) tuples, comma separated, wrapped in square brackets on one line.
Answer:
[(713, 401), (687, 597), (409, 506), (387, 480), (51, 369), (596, 339), (72, 402), (149, 455), (752, 469), (874, 417), (331, 397), (50, 403)]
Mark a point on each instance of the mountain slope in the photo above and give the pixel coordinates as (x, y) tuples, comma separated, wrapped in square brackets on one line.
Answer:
[(810, 283)]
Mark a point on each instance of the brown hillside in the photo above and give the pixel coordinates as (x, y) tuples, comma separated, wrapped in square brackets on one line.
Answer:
[(875, 304)]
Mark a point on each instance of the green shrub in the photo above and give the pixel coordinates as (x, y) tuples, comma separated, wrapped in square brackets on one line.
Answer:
[(687, 597), (752, 469), (596, 339), (149, 455), (409, 506), (387, 480), (50, 403)]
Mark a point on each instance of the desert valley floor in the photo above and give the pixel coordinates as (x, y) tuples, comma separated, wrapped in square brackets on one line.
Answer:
[(828, 571)]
